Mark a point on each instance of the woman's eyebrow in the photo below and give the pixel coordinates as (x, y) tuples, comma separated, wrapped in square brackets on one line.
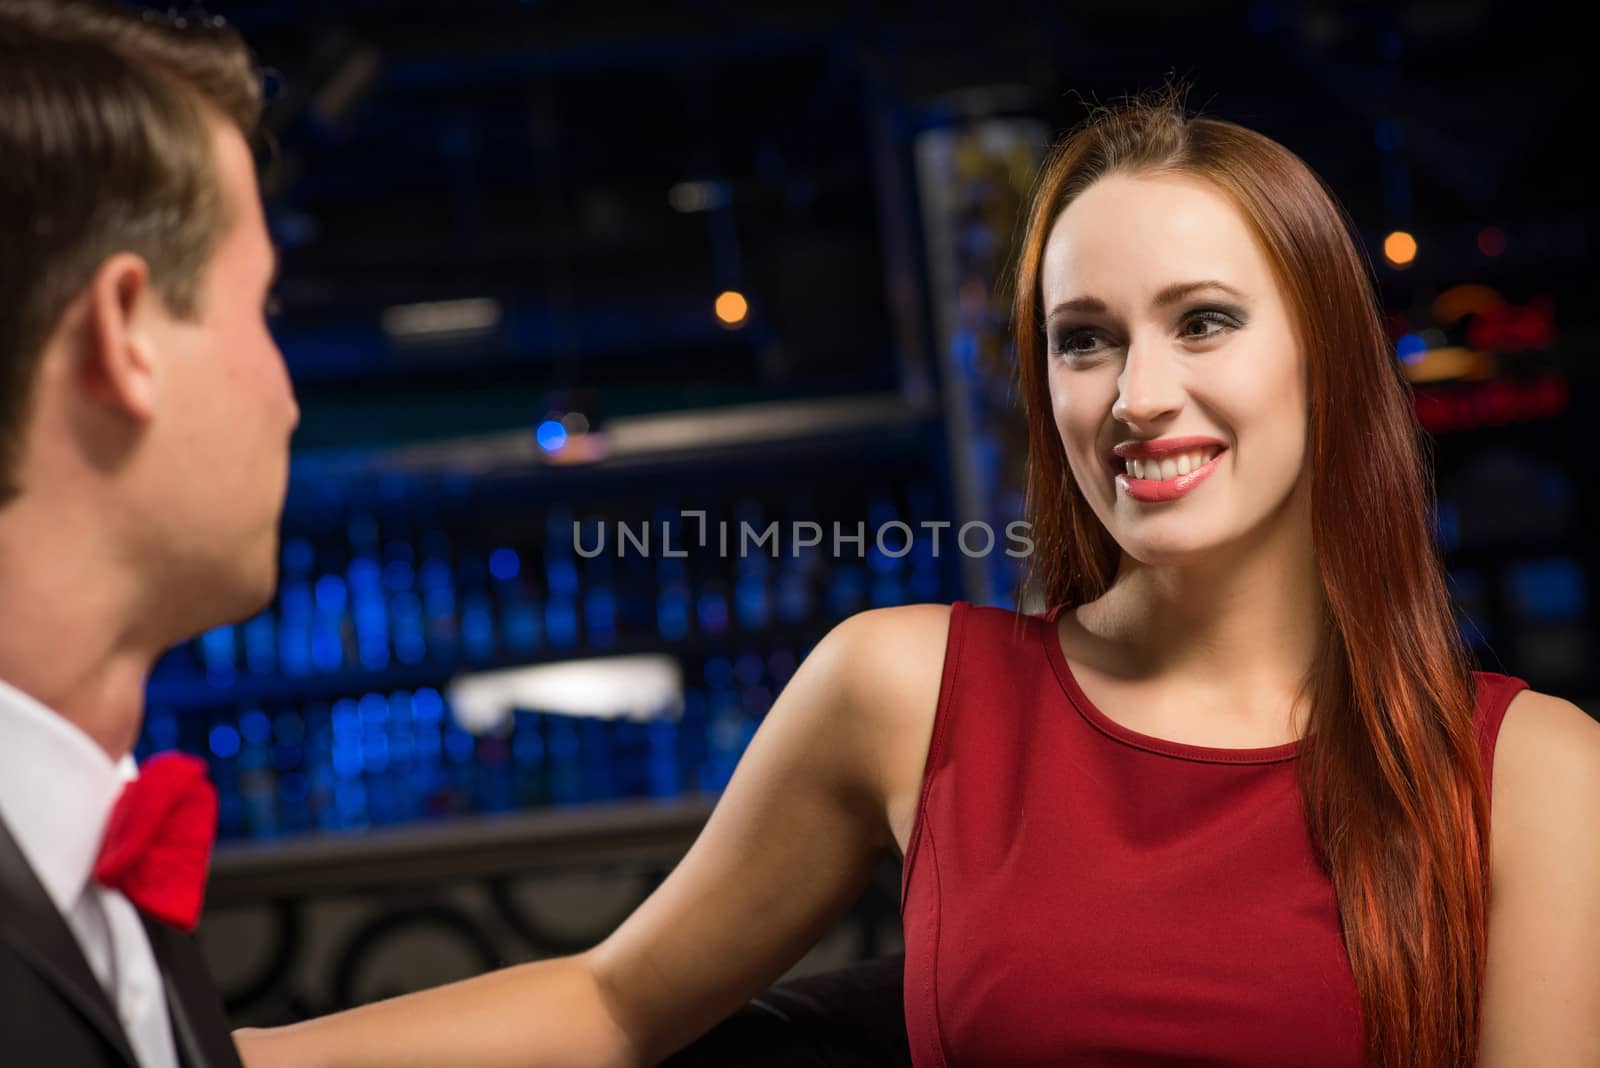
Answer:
[(1179, 290), (1168, 296)]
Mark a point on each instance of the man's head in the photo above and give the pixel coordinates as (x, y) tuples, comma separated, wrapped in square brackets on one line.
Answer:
[(139, 387)]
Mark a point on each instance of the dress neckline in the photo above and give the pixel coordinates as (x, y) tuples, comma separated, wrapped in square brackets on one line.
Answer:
[(1049, 633)]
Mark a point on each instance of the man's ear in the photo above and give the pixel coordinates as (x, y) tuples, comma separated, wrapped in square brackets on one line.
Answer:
[(123, 307)]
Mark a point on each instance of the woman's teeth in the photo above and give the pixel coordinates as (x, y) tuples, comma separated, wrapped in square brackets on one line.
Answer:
[(1171, 465)]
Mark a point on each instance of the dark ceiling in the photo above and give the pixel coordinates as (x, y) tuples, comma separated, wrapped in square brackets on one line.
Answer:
[(526, 152)]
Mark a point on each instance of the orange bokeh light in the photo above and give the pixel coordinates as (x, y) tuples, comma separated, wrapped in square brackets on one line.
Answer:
[(732, 308), (1400, 248)]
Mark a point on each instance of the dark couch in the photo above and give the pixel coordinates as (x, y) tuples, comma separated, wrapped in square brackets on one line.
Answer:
[(849, 1018)]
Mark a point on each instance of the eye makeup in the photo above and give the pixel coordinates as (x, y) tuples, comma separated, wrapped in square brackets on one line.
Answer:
[(1065, 336)]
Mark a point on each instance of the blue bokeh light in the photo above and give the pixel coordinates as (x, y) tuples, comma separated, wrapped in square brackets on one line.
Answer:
[(505, 564), (551, 435), (1410, 347), (224, 741)]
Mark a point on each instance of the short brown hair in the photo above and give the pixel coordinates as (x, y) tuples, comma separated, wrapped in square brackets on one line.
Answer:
[(105, 139)]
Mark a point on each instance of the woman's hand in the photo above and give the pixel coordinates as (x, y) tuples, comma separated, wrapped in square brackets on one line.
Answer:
[(261, 1048)]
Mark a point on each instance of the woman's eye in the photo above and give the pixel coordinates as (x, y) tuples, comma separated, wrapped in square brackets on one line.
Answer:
[(1211, 323), (273, 307), (1076, 343), (1205, 324)]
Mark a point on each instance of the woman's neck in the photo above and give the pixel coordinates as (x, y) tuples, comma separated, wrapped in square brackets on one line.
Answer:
[(1240, 630)]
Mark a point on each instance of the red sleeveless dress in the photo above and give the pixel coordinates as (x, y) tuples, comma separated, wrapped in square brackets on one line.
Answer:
[(1077, 893)]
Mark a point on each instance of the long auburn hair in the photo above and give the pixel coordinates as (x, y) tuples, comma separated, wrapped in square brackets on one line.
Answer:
[(1389, 771)]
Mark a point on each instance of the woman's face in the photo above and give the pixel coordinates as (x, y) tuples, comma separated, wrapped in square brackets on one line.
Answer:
[(1170, 350)]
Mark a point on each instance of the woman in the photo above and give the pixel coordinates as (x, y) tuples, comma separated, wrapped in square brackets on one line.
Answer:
[(1228, 801)]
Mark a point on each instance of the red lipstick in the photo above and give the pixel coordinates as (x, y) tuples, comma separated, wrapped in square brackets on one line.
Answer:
[(1139, 450), (1152, 490)]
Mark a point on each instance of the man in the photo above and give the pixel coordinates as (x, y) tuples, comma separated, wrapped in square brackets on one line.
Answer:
[(145, 415)]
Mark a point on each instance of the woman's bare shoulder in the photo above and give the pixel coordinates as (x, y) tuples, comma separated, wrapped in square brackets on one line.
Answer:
[(890, 661), (1547, 748), (892, 650), (1542, 983)]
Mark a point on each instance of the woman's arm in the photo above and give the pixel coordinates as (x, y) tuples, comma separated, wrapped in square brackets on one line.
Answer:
[(1541, 998), (545, 1013), (791, 844)]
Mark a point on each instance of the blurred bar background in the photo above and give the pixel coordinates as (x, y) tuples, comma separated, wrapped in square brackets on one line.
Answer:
[(553, 270)]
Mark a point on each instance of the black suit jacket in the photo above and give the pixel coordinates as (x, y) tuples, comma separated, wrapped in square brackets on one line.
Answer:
[(53, 1012)]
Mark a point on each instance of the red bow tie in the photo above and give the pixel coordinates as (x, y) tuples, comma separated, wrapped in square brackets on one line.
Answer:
[(157, 847)]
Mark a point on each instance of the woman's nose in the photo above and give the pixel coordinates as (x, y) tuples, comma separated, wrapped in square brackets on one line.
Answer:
[(1149, 390)]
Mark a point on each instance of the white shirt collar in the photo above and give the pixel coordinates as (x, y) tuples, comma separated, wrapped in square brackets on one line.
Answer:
[(57, 789)]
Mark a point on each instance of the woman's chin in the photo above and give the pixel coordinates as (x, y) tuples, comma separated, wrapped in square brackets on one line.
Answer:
[(1181, 549)]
